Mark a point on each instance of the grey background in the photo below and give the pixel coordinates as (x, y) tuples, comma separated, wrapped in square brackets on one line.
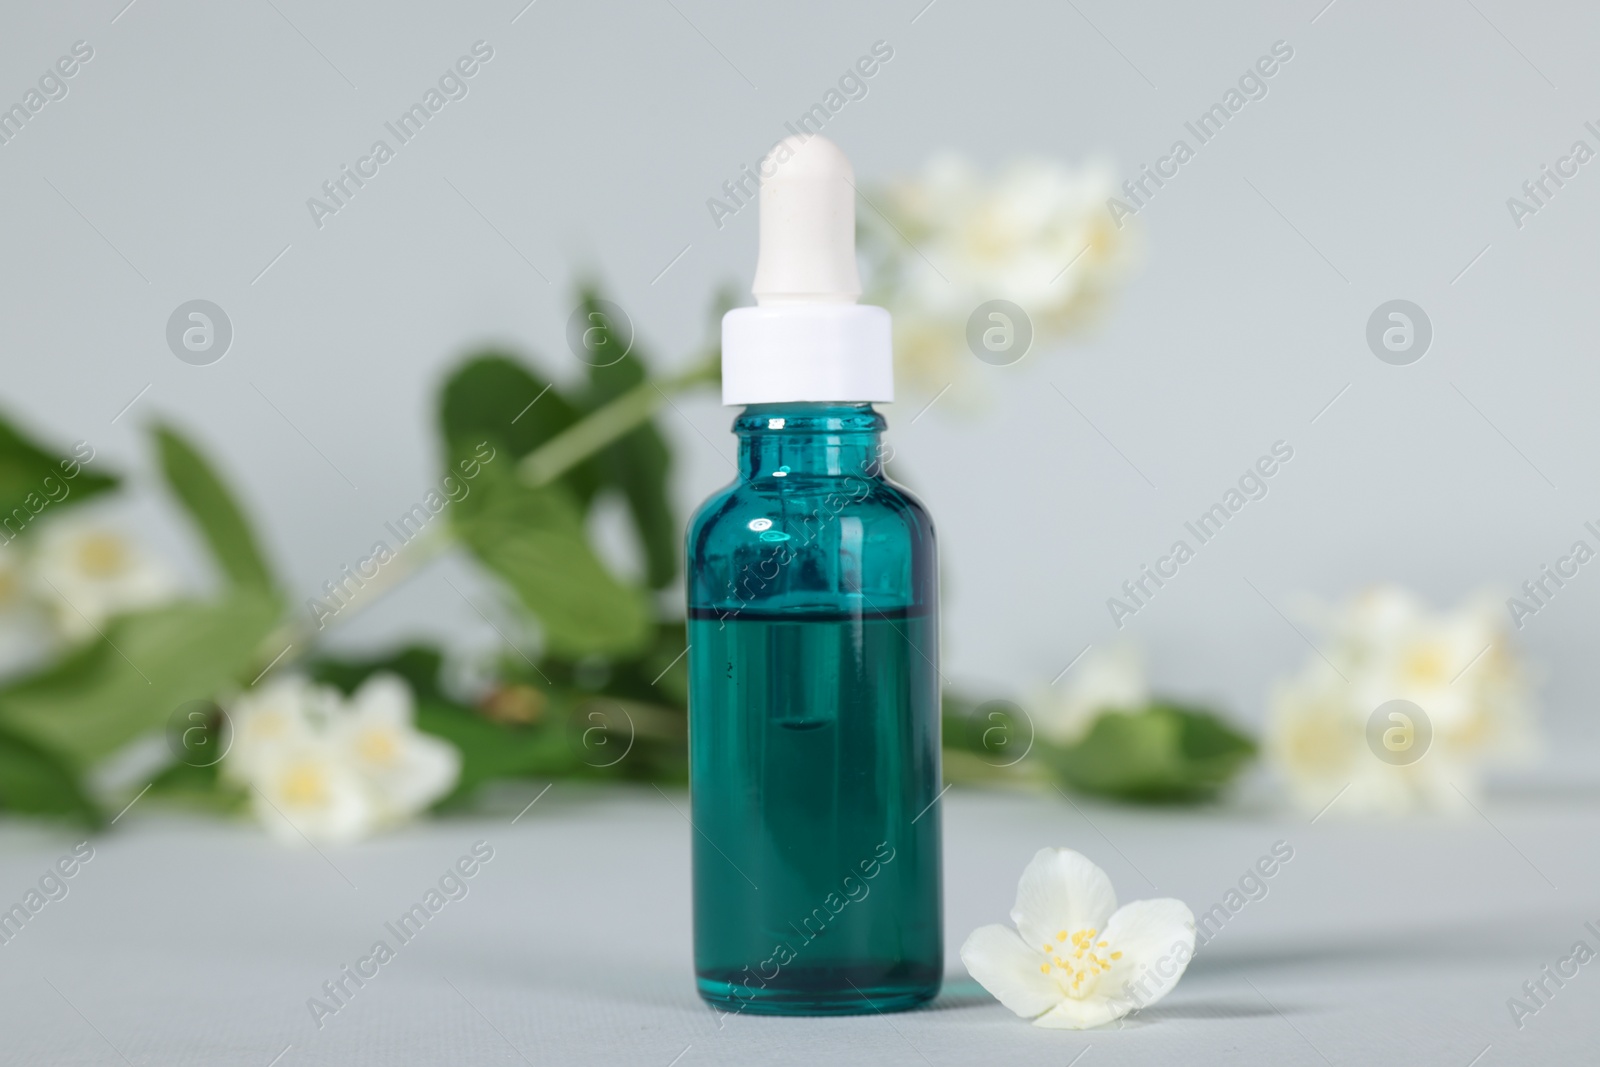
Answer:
[(1381, 161), (1383, 157)]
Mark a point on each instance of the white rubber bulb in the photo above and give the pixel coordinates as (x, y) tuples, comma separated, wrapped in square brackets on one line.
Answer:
[(808, 225)]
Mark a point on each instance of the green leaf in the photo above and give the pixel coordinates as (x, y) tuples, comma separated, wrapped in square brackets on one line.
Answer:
[(490, 751), (127, 683), (32, 479), (417, 664), (199, 788), (492, 397), (667, 664), (577, 735), (37, 781), (1162, 753), (214, 510), (639, 462), (535, 541), (657, 674)]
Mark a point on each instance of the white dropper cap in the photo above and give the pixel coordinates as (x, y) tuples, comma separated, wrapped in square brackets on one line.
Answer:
[(808, 226), (807, 339)]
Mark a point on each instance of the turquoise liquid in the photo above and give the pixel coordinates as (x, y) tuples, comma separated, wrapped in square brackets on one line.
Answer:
[(814, 730)]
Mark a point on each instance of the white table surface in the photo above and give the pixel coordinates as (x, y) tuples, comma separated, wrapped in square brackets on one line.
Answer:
[(192, 941)]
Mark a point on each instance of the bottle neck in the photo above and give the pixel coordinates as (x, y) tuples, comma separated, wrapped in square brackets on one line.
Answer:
[(810, 439)]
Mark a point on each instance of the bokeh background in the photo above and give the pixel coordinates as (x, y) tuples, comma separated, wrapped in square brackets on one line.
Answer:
[(1377, 167)]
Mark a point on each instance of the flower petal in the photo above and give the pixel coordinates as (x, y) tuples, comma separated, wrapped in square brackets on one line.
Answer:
[(1081, 1014), (384, 698), (996, 957), (1156, 941), (306, 793), (265, 721), (1061, 891), (428, 768)]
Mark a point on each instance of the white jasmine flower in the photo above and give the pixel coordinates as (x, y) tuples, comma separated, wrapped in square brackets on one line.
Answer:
[(285, 712), (1459, 668), (1037, 234), (1075, 959), (88, 572), (306, 787), (23, 640), (331, 768), (404, 769), (1104, 680)]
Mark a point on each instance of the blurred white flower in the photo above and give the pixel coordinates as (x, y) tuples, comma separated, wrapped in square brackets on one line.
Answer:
[(1104, 680), (23, 640), (335, 769), (285, 712), (1075, 959), (87, 572), (1458, 668), (1038, 234), (404, 769)]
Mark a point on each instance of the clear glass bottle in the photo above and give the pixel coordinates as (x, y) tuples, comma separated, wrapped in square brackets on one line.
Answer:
[(814, 723)]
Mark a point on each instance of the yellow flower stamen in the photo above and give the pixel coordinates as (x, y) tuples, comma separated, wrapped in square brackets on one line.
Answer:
[(1081, 960), (102, 555), (1427, 663), (377, 746), (304, 785)]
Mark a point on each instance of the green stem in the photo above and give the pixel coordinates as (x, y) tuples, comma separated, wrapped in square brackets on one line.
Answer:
[(542, 466), (299, 636), (604, 425)]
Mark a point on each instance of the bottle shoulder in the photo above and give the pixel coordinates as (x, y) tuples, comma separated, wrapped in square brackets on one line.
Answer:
[(769, 504), (773, 544)]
